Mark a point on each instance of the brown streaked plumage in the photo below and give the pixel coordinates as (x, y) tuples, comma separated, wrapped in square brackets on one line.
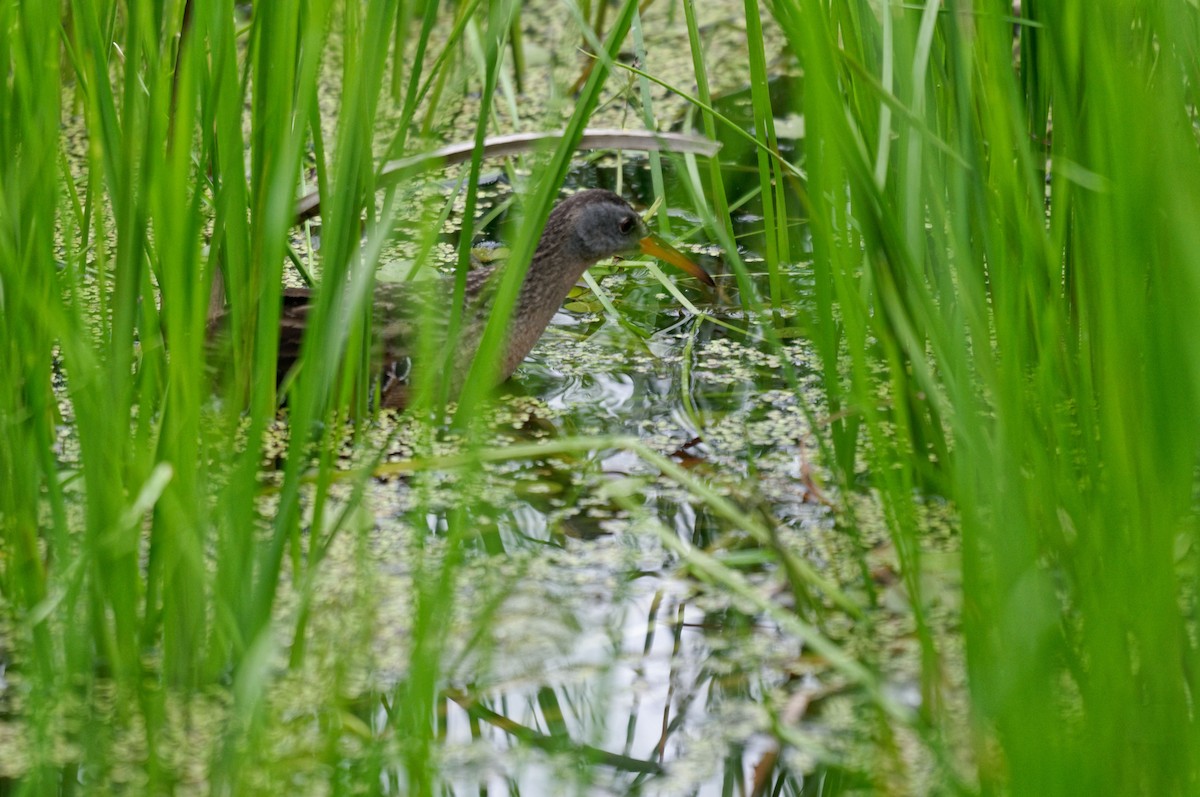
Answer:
[(581, 230)]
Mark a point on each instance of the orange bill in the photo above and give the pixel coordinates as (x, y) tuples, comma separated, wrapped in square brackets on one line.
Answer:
[(656, 247)]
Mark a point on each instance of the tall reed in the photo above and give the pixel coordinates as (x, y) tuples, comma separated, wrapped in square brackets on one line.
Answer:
[(1002, 227), (1007, 239)]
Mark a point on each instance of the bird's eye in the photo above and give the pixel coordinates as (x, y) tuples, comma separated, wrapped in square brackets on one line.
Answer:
[(628, 224)]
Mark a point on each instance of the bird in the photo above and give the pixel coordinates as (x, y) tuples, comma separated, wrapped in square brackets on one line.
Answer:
[(583, 229)]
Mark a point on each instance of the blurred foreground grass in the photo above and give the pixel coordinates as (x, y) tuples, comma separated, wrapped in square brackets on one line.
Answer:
[(1001, 214)]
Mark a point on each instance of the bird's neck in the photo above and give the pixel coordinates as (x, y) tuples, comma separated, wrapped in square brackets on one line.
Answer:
[(549, 280)]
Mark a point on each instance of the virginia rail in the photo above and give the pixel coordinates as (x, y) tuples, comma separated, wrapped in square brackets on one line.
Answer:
[(581, 230)]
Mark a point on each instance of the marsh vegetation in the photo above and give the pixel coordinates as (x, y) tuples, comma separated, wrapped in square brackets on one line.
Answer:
[(907, 503)]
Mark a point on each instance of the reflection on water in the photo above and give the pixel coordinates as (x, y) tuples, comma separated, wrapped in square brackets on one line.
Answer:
[(605, 667), (600, 656)]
